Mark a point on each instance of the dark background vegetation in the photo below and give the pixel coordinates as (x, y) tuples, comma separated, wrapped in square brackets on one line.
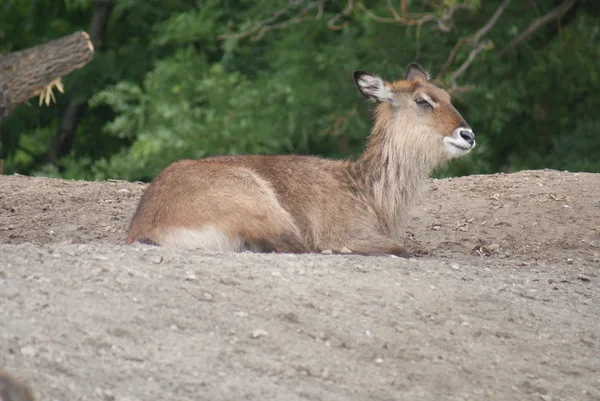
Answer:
[(176, 79)]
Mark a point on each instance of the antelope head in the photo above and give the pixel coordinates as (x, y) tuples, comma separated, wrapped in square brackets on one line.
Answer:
[(415, 114)]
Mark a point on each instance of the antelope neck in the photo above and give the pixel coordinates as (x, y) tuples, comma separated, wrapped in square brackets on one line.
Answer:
[(397, 160)]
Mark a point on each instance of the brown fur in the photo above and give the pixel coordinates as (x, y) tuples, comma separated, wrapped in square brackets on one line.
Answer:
[(305, 204)]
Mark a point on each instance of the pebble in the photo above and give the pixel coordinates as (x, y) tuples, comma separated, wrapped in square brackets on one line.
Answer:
[(156, 259), (378, 361), (28, 350), (191, 277), (455, 266), (259, 333), (570, 261)]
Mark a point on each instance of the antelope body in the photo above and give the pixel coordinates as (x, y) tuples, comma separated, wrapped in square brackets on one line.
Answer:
[(301, 204)]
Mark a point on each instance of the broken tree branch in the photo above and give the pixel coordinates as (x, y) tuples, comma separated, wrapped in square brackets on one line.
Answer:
[(36, 71), (27, 73)]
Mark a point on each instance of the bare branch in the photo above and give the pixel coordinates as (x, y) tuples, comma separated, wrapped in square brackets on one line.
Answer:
[(260, 28), (485, 45), (264, 26), (442, 17), (298, 19), (404, 18), (393, 11), (490, 24), (477, 47), (453, 52), (448, 15), (557, 13), (331, 24)]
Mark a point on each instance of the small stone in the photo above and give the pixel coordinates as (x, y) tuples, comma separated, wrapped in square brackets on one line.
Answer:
[(156, 259), (207, 296), (378, 361), (327, 252), (191, 277), (569, 261), (455, 266), (345, 250), (11, 227), (123, 191), (174, 327), (259, 333), (28, 350)]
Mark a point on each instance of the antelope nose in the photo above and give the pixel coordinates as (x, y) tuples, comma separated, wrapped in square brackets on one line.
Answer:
[(468, 136)]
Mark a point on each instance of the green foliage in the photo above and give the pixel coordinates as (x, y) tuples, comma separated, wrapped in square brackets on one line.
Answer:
[(164, 87)]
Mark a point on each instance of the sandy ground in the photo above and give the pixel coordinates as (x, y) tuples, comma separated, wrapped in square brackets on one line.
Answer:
[(503, 304)]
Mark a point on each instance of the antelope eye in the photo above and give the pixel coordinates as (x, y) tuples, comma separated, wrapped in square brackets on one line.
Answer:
[(422, 102)]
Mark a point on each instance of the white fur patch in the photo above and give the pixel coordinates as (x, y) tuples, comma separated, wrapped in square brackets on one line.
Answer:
[(208, 239), (456, 145), (375, 87), (431, 102)]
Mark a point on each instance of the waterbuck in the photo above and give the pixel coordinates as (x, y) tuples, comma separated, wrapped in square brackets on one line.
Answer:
[(299, 204)]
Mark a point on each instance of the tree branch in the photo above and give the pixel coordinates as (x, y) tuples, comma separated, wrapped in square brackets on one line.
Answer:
[(28, 72), (476, 46), (485, 45), (299, 18), (557, 13), (260, 28), (331, 24), (404, 18), (490, 24)]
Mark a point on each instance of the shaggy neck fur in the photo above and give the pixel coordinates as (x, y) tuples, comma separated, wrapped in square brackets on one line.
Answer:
[(397, 160)]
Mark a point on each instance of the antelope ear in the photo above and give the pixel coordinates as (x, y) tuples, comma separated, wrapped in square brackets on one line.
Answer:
[(372, 87), (414, 72)]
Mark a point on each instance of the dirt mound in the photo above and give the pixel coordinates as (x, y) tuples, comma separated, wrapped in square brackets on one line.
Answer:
[(504, 305)]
